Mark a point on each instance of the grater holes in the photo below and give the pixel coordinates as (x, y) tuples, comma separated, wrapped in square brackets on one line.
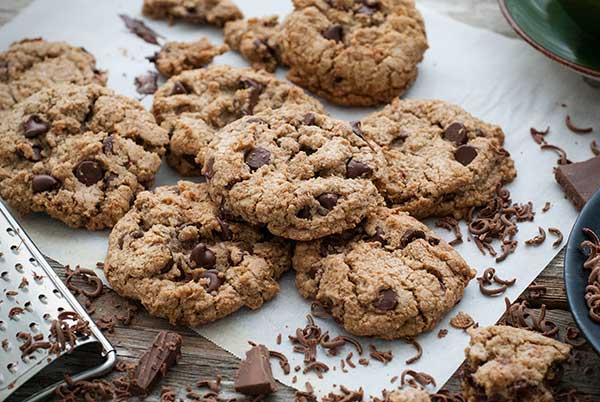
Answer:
[(4, 275), (2, 326), (57, 293), (19, 267), (34, 327), (12, 367), (43, 298), (60, 309), (11, 231), (27, 306), (33, 261), (47, 317)]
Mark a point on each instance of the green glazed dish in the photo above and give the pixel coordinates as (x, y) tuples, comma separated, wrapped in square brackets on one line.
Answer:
[(586, 13), (546, 26)]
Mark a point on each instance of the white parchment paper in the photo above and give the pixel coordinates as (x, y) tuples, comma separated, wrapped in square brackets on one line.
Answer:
[(497, 79)]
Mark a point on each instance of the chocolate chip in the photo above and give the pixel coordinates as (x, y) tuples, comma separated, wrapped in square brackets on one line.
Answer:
[(309, 119), (107, 145), (179, 88), (258, 157), (203, 257), (35, 126), (304, 213), (465, 154), (356, 169), (367, 10), (214, 281), (225, 233), (411, 235), (328, 200), (36, 153), (387, 300), (146, 84), (138, 234), (43, 182), (256, 120), (456, 133), (168, 265), (334, 32), (378, 236), (256, 88), (153, 58), (356, 129), (140, 29), (209, 168), (89, 172)]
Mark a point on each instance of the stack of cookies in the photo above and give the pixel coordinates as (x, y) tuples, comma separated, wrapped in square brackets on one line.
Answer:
[(285, 184)]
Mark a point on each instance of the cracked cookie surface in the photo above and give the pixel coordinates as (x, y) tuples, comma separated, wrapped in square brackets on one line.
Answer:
[(302, 174), (507, 364), (390, 277), (177, 57), (179, 255), (78, 153), (440, 159), (33, 64), (407, 394), (257, 40), (214, 12), (353, 52), (194, 105)]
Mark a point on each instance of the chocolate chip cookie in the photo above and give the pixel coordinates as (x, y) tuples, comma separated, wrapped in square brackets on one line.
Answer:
[(178, 254), (302, 174), (78, 153), (440, 159), (194, 105), (507, 364), (176, 57), (257, 40), (390, 277), (407, 394), (214, 12), (353, 52), (32, 64)]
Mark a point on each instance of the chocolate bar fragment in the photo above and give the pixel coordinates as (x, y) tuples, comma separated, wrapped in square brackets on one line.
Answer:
[(580, 181), (154, 364), (254, 377)]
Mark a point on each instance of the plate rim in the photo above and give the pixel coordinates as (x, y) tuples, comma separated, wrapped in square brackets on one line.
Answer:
[(546, 52), (570, 268)]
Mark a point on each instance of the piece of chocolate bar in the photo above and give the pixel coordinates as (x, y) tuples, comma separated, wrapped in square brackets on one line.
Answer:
[(154, 364), (580, 181), (254, 377)]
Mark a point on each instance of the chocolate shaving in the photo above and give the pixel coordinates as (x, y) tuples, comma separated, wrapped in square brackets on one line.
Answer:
[(537, 240), (421, 378), (349, 360), (445, 395), (15, 311), (519, 315), (556, 232), (347, 395), (140, 29), (146, 84), (89, 277), (573, 337), (283, 361), (214, 386), (591, 248), (488, 278), (563, 160), (575, 129), (451, 224), (536, 291), (594, 148), (538, 136), (383, 357), (317, 367), (442, 333), (416, 357), (547, 207)]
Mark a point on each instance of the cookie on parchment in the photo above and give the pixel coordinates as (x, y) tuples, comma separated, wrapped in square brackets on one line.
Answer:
[(194, 105), (214, 12), (78, 153), (440, 159), (390, 277), (508, 364), (353, 52), (257, 40), (302, 174), (407, 394), (178, 254), (177, 57), (33, 64)]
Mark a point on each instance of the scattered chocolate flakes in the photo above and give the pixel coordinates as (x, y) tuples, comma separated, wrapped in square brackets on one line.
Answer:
[(575, 129), (66, 329), (15, 311), (421, 378), (146, 84), (349, 360), (283, 361), (419, 349), (278, 339), (537, 240), (591, 248), (450, 223), (214, 386), (84, 275), (306, 396), (140, 29), (317, 367), (574, 338), (519, 315), (538, 136), (488, 278), (556, 232), (24, 283), (462, 320), (594, 148), (347, 395), (442, 333), (563, 160), (536, 291), (383, 357), (547, 207), (445, 395), (90, 391)]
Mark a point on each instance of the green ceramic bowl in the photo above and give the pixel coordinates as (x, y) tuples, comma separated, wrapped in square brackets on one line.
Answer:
[(585, 13)]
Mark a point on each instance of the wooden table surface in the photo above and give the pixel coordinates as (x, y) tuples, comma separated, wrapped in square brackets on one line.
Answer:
[(203, 359)]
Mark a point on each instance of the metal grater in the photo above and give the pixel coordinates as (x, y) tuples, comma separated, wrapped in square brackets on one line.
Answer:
[(42, 300)]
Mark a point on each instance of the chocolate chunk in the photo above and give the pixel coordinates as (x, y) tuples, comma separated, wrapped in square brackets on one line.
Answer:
[(209, 168), (258, 157), (43, 182), (378, 236), (356, 129), (328, 200), (334, 32), (138, 234), (465, 154), (107, 145), (145, 84), (140, 29), (356, 169), (579, 181), (214, 281), (89, 172), (35, 126), (387, 300), (369, 7), (256, 88), (257, 120), (154, 364), (456, 133), (225, 233), (179, 88), (203, 257), (309, 119), (36, 152), (411, 235), (254, 377), (304, 213), (168, 265)]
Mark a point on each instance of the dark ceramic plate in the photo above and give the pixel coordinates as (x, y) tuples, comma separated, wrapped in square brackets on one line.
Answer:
[(575, 277), (546, 26)]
